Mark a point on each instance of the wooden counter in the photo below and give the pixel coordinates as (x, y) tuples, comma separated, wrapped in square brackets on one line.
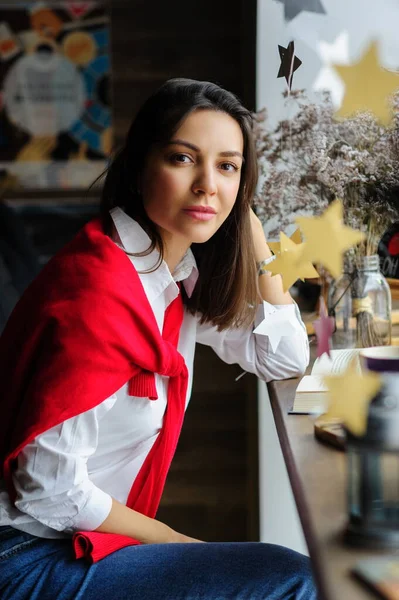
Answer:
[(317, 475)]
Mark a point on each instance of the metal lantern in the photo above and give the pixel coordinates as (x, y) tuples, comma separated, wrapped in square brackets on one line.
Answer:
[(373, 473)]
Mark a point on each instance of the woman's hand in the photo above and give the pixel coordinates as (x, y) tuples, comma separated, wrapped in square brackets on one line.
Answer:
[(271, 288), (179, 538), (261, 248), (126, 521), (256, 224)]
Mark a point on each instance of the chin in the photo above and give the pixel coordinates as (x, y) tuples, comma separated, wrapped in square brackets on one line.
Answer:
[(201, 238)]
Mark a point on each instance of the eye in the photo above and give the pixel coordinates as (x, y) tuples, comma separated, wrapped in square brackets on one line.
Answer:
[(229, 167), (181, 158)]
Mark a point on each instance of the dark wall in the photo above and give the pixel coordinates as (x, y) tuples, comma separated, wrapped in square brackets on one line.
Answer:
[(155, 40), (211, 490)]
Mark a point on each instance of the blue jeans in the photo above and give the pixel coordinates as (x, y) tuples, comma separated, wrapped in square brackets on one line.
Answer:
[(37, 569)]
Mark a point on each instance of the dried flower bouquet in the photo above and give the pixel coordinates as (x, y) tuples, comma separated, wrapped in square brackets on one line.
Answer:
[(312, 158)]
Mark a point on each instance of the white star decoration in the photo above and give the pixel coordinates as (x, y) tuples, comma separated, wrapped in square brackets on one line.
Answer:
[(275, 325), (328, 79)]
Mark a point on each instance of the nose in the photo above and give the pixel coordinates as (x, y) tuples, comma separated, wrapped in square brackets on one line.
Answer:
[(205, 182)]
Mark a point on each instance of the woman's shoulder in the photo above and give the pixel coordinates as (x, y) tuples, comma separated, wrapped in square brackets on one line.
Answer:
[(88, 272), (90, 259)]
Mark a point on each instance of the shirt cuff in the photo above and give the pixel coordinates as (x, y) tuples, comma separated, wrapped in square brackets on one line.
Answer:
[(281, 355), (93, 513)]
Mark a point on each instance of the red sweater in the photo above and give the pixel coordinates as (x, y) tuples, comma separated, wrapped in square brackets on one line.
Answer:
[(81, 330)]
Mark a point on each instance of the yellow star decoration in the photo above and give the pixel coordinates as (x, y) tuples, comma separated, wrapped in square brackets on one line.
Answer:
[(326, 238), (367, 86), (350, 395), (288, 263), (295, 237), (307, 269)]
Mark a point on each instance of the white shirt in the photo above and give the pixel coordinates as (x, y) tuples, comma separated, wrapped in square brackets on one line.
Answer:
[(66, 477)]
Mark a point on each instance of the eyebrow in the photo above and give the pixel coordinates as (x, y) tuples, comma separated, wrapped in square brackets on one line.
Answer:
[(196, 149)]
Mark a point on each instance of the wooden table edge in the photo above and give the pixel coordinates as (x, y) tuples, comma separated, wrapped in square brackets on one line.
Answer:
[(297, 489)]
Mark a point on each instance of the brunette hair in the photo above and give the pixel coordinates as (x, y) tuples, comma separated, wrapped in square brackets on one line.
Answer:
[(226, 293)]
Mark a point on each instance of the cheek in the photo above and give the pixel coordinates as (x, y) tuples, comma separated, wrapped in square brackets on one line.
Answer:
[(231, 191), (162, 183)]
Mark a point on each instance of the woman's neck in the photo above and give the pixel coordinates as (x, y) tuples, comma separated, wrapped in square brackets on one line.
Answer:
[(174, 250)]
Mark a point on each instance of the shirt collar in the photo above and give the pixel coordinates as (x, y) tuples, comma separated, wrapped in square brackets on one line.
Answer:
[(133, 238)]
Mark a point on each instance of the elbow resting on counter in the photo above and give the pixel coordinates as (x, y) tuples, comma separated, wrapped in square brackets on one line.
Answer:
[(291, 358)]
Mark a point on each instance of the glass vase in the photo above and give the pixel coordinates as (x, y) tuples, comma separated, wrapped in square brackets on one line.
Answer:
[(360, 301)]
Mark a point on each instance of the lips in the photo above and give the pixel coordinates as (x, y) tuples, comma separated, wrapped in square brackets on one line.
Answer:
[(199, 215), (201, 208), (200, 212)]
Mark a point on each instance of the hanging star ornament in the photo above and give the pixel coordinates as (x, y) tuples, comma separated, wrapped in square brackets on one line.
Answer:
[(292, 8), (296, 237), (350, 395), (324, 328), (275, 325), (308, 271), (367, 86), (289, 63), (288, 263), (327, 238)]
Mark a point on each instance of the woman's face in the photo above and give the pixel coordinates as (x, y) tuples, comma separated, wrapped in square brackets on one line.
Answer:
[(200, 168)]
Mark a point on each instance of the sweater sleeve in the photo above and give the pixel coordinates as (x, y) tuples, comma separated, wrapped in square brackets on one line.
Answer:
[(51, 479), (253, 352)]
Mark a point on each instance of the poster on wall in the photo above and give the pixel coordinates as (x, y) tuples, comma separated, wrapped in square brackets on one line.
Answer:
[(55, 113)]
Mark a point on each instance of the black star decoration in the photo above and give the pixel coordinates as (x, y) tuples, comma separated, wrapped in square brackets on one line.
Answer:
[(289, 63), (292, 8)]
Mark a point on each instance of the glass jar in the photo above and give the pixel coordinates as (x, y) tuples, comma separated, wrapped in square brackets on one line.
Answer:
[(360, 301), (373, 473)]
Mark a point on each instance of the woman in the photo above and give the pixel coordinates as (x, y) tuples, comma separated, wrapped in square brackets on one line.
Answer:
[(96, 367)]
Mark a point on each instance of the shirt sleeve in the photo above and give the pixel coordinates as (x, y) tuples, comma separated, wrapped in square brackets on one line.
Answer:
[(253, 352), (51, 479)]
